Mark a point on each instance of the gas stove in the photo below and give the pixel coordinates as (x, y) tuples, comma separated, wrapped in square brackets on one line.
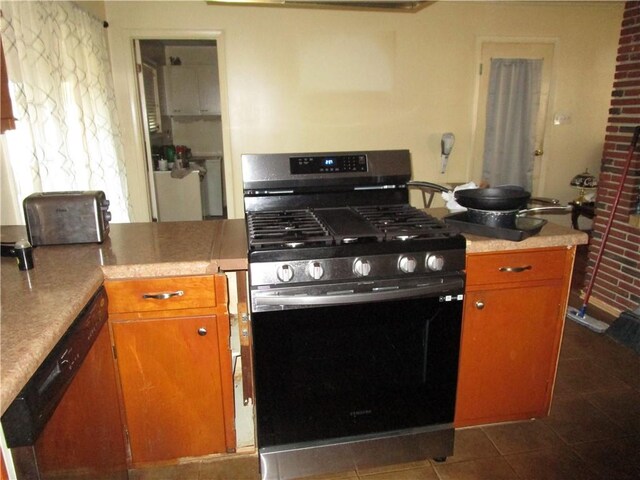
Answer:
[(340, 216), (356, 311)]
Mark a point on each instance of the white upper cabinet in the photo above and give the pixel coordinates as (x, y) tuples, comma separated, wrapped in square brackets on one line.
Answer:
[(192, 90), (208, 89)]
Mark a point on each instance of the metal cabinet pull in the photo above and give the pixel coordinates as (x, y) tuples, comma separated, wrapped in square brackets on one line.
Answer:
[(163, 295), (202, 331), (515, 269), (479, 304)]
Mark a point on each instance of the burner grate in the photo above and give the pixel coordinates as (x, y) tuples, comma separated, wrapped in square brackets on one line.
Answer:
[(404, 222), (287, 229)]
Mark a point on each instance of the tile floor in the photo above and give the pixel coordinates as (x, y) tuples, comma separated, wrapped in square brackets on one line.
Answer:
[(593, 431)]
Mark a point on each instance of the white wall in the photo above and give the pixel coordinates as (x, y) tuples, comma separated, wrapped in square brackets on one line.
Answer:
[(313, 80)]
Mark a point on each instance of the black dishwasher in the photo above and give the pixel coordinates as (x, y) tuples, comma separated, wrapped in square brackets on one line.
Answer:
[(65, 423)]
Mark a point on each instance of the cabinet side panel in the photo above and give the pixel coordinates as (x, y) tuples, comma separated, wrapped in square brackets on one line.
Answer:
[(226, 367)]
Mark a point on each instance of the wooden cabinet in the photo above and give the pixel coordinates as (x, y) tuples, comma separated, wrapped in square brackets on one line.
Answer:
[(171, 341), (3, 470), (514, 312), (192, 90)]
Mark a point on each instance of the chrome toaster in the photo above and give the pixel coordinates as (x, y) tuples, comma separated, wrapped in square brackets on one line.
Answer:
[(55, 218)]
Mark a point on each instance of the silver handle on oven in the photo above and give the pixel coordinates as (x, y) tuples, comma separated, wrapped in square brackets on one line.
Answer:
[(163, 295), (270, 298)]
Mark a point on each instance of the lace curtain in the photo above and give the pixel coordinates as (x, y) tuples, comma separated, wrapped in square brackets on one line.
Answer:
[(512, 108), (67, 136)]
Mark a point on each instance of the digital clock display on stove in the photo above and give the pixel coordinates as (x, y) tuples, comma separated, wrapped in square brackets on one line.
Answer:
[(328, 164)]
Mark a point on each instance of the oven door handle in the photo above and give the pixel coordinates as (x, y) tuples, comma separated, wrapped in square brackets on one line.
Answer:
[(278, 299)]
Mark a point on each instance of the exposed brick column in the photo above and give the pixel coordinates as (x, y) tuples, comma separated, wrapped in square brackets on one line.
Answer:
[(617, 282)]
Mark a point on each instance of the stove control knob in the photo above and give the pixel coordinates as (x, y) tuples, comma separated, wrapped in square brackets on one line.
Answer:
[(361, 268), (284, 273), (435, 263), (407, 264), (315, 270)]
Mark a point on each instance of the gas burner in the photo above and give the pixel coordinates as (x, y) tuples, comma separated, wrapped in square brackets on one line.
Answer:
[(288, 229), (404, 222)]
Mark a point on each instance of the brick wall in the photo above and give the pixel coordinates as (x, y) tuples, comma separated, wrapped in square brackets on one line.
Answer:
[(617, 283)]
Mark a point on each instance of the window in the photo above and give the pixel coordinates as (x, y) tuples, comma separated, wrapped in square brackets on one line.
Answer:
[(151, 97)]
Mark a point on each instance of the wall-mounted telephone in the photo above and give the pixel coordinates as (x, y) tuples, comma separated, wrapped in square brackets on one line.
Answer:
[(446, 145)]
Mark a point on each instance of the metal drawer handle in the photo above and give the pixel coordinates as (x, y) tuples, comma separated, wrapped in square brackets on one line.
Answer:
[(515, 269), (202, 331), (479, 304), (163, 295)]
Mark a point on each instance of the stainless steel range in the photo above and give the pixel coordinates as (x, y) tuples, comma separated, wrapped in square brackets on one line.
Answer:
[(356, 301)]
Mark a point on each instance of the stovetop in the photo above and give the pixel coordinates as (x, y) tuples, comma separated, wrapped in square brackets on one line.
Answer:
[(339, 216), (317, 227)]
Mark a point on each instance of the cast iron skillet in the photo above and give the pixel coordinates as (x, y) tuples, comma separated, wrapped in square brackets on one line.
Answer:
[(496, 198)]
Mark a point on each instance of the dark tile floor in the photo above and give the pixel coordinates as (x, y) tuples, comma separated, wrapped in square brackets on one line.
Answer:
[(593, 431)]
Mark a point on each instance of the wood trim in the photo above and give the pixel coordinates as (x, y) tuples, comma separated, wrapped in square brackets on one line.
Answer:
[(564, 302), (246, 346), (142, 316), (226, 368)]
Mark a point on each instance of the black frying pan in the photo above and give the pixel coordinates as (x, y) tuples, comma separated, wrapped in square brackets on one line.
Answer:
[(496, 198)]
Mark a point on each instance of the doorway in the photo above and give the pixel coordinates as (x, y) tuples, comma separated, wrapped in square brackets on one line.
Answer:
[(179, 99), (524, 50)]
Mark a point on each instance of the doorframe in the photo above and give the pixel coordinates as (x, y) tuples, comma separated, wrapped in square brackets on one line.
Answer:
[(139, 133), (476, 94)]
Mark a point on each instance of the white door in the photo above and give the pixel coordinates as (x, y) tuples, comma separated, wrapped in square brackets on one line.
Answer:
[(491, 50)]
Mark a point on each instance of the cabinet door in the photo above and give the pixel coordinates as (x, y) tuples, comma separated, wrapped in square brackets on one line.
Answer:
[(171, 386), (208, 89), (181, 84), (508, 354)]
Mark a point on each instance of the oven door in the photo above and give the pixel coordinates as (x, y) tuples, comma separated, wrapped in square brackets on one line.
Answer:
[(356, 367)]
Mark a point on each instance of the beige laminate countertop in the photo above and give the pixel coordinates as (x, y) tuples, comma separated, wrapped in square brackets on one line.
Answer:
[(38, 306)]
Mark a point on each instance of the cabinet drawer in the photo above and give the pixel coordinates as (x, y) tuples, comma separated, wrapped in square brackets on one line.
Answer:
[(520, 266), (155, 294)]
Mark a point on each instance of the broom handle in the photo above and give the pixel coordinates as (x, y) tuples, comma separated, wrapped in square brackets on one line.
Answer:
[(605, 235)]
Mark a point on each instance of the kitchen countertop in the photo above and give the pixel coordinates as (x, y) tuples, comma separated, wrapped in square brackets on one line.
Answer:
[(39, 305)]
